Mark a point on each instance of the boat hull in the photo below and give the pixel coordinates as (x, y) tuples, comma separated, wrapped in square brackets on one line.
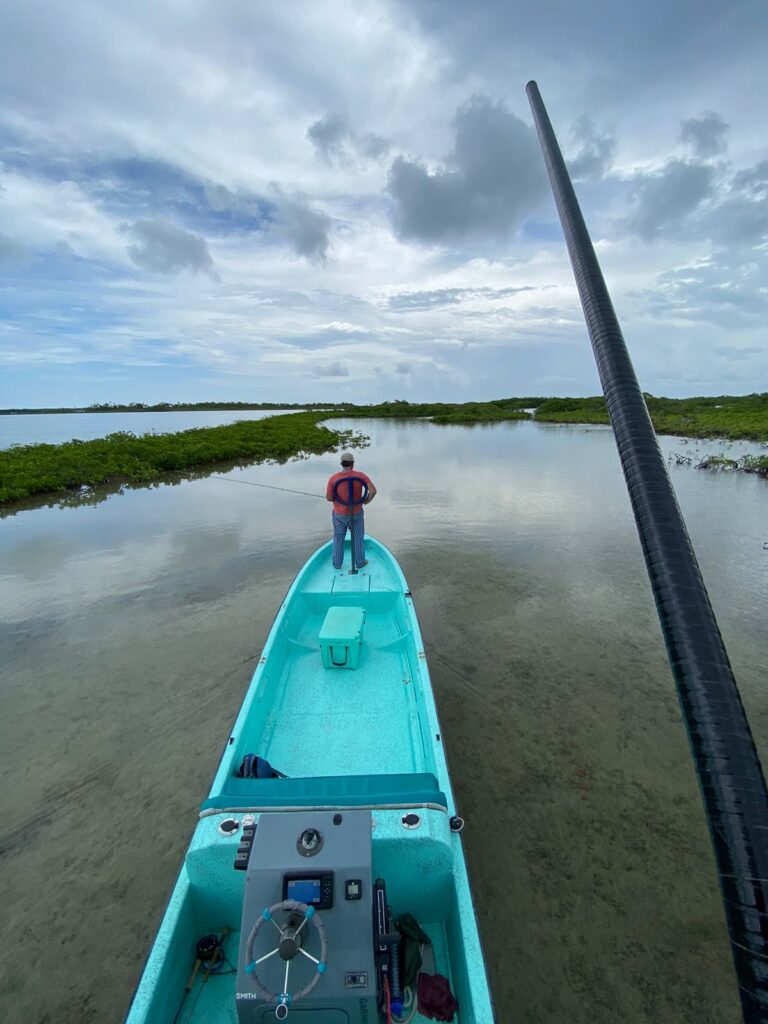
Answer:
[(365, 739)]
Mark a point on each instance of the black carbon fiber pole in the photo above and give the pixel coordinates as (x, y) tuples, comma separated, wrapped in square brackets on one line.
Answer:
[(727, 765)]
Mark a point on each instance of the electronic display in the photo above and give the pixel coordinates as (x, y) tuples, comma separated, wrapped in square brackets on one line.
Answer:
[(316, 890), (305, 890)]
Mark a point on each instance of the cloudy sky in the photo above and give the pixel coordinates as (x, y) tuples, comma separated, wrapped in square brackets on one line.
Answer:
[(224, 199)]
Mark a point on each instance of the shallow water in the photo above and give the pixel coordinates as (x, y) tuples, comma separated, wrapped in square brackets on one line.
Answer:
[(54, 428), (129, 632)]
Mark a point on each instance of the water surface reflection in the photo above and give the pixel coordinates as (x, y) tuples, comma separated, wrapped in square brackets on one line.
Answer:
[(54, 428), (129, 631)]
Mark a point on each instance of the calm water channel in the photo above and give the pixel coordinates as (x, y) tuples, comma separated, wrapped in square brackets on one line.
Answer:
[(129, 631), (53, 428)]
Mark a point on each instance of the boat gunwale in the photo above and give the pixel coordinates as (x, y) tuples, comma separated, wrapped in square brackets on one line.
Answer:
[(254, 809), (419, 668)]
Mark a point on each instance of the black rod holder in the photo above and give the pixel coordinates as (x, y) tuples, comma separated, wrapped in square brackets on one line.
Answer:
[(728, 768)]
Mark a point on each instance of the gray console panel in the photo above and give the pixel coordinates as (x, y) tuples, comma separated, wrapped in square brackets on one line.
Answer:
[(346, 992)]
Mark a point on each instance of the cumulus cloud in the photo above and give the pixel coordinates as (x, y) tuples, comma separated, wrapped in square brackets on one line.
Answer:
[(720, 291), (490, 180), (11, 253), (664, 198), (438, 297), (403, 368), (753, 181), (331, 370), (738, 221), (371, 145), (741, 219), (166, 249), (236, 201), (706, 134), (336, 142), (695, 198), (184, 115), (304, 229), (688, 199), (340, 328), (734, 354), (289, 217), (596, 151), (328, 136)]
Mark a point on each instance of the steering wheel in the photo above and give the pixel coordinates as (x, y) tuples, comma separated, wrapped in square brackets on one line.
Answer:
[(288, 946), (349, 500)]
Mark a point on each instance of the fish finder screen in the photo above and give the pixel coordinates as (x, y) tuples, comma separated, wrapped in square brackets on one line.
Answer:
[(305, 890)]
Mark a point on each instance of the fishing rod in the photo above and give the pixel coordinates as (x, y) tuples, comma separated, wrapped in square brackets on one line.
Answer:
[(252, 483), (729, 772), (310, 494)]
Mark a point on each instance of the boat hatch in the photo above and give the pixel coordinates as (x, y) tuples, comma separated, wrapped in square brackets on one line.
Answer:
[(341, 637), (346, 584)]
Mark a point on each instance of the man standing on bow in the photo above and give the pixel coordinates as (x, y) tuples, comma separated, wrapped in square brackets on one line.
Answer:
[(340, 515)]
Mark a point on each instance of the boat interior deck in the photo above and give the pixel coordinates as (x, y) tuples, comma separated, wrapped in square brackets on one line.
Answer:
[(212, 999), (371, 720), (364, 737)]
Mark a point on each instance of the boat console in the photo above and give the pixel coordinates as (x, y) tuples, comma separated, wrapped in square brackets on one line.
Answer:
[(307, 935)]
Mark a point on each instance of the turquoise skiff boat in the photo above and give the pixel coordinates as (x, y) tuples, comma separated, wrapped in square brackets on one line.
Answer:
[(331, 816)]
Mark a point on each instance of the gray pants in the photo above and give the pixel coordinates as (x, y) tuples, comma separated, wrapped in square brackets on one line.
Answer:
[(340, 526)]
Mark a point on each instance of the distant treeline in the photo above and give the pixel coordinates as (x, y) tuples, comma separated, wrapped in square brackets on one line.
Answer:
[(742, 417), (27, 470), (451, 412), (174, 407)]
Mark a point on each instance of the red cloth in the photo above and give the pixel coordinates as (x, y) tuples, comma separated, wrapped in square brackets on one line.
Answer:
[(436, 1000), (342, 509)]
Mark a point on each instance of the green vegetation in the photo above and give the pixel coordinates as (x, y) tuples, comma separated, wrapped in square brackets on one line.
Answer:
[(478, 412), (736, 418), (445, 412), (125, 458), (572, 410), (746, 464), (743, 417)]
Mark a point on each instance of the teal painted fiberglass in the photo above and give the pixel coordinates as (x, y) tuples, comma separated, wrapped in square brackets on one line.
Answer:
[(357, 833)]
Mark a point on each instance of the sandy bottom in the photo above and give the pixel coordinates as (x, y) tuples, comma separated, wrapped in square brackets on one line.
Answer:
[(125, 659), (591, 867)]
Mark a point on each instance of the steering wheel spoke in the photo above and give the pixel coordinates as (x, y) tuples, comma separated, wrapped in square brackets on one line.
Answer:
[(288, 948), (266, 956)]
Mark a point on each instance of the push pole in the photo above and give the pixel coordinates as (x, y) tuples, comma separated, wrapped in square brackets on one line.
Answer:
[(729, 772), (351, 481)]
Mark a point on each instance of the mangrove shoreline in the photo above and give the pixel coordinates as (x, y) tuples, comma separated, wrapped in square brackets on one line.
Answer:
[(48, 470), (125, 459)]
